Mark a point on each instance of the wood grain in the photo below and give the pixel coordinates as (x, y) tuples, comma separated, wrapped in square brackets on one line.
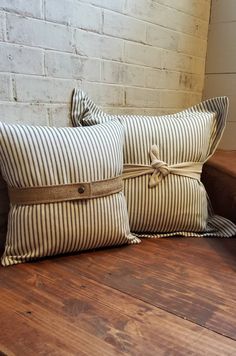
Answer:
[(137, 300), (194, 280)]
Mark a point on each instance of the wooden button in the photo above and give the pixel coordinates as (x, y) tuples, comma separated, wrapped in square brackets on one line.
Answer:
[(81, 189)]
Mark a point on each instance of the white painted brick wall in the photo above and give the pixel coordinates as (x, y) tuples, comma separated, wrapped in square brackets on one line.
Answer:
[(144, 56), (126, 74), (117, 5), (64, 65), (5, 87), (21, 59), (165, 16), (74, 13), (31, 114), (197, 8), (123, 26), (32, 8), (138, 97), (2, 26), (38, 33), (48, 90), (90, 44)]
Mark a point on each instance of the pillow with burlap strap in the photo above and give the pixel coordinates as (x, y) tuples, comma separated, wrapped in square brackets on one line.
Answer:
[(163, 159), (65, 189)]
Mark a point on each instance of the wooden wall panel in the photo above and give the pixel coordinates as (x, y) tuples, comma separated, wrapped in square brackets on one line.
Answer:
[(220, 76)]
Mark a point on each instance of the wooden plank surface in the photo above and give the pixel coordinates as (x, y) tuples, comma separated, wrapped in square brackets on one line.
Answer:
[(192, 278), (164, 297)]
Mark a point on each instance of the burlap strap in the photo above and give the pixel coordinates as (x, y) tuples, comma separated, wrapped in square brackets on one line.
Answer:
[(159, 169), (65, 192)]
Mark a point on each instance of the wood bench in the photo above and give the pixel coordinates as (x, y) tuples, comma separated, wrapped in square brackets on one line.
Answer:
[(219, 178), (172, 296)]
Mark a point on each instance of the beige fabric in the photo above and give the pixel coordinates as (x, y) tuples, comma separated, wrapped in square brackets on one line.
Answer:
[(177, 204), (50, 212), (65, 192), (159, 169)]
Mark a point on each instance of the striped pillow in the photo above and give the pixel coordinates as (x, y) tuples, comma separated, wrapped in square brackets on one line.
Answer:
[(65, 189), (4, 209), (163, 158)]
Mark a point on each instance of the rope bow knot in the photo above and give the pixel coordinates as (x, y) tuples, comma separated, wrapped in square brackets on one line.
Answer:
[(159, 169)]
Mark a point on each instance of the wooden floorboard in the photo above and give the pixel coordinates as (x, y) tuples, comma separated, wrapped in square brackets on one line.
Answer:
[(192, 278), (163, 297)]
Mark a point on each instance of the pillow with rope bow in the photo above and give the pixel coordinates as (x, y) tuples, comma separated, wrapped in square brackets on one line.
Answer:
[(163, 159)]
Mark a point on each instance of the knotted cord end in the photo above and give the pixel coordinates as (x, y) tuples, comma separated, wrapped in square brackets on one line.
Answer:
[(161, 169)]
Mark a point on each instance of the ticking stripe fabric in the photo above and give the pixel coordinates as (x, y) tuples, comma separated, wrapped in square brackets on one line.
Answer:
[(32, 156), (174, 204)]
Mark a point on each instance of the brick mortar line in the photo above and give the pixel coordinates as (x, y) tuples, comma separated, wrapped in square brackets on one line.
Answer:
[(116, 11), (102, 30), (43, 14), (77, 54), (186, 13), (37, 102), (126, 86), (43, 9), (37, 75), (5, 27), (190, 56), (160, 4), (141, 109), (120, 85), (156, 24), (66, 105), (102, 60)]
